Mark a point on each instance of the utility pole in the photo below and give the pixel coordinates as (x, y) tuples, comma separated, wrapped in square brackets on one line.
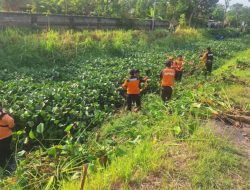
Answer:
[(66, 6)]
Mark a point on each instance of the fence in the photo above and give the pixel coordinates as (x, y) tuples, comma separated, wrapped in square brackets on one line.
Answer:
[(10, 19)]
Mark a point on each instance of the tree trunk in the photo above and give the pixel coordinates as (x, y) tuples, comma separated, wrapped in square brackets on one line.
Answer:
[(190, 18), (227, 4)]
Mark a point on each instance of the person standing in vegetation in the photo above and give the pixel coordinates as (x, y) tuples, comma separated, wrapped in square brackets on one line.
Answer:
[(178, 67), (207, 58), (133, 87), (6, 125), (167, 82)]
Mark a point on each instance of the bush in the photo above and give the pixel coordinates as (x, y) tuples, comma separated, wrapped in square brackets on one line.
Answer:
[(225, 32), (182, 38), (187, 32)]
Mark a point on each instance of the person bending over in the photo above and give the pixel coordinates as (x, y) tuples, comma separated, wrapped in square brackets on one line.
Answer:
[(133, 87)]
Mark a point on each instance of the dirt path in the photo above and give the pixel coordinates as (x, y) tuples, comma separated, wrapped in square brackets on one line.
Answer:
[(171, 175), (239, 136)]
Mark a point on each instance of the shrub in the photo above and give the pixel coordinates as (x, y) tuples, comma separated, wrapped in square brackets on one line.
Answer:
[(187, 32), (182, 38), (225, 32), (182, 21)]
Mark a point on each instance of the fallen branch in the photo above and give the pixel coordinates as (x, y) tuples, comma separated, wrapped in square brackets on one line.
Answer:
[(193, 140), (226, 120), (244, 113), (240, 118), (234, 79)]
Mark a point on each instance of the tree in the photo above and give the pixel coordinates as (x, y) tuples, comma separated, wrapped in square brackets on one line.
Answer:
[(14, 5), (218, 12), (173, 12), (142, 8), (227, 5), (191, 8), (237, 8), (163, 9), (200, 8), (182, 21), (238, 14)]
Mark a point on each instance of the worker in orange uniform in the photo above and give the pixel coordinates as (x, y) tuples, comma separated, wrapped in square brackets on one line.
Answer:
[(6, 125), (167, 82), (178, 67), (207, 58), (133, 87)]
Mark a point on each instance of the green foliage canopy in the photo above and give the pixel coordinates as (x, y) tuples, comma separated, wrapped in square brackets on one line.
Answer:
[(164, 9)]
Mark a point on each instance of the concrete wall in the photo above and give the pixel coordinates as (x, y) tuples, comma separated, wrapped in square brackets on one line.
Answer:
[(8, 19)]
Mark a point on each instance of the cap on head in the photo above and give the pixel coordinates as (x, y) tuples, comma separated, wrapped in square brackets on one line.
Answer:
[(137, 71)]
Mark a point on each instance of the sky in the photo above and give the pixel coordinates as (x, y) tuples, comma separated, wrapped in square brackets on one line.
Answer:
[(244, 2)]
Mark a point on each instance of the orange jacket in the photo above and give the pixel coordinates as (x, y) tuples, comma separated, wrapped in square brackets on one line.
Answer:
[(204, 57), (6, 124), (167, 77), (132, 85), (178, 65)]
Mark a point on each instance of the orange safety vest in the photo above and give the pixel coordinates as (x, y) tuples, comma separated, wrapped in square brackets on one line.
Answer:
[(204, 57), (6, 124), (132, 85), (168, 77), (177, 65)]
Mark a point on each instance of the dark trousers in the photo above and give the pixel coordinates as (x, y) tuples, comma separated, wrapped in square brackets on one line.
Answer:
[(166, 93), (178, 75), (5, 151), (209, 66), (133, 98)]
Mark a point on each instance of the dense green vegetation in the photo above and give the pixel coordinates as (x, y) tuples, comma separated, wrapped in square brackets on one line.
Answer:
[(61, 86), (115, 8), (196, 13), (170, 145)]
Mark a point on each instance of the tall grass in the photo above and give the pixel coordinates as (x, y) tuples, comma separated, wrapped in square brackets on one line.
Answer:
[(32, 48), (181, 38), (201, 161), (21, 47)]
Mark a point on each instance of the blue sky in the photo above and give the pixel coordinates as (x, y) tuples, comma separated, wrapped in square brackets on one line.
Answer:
[(244, 2)]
